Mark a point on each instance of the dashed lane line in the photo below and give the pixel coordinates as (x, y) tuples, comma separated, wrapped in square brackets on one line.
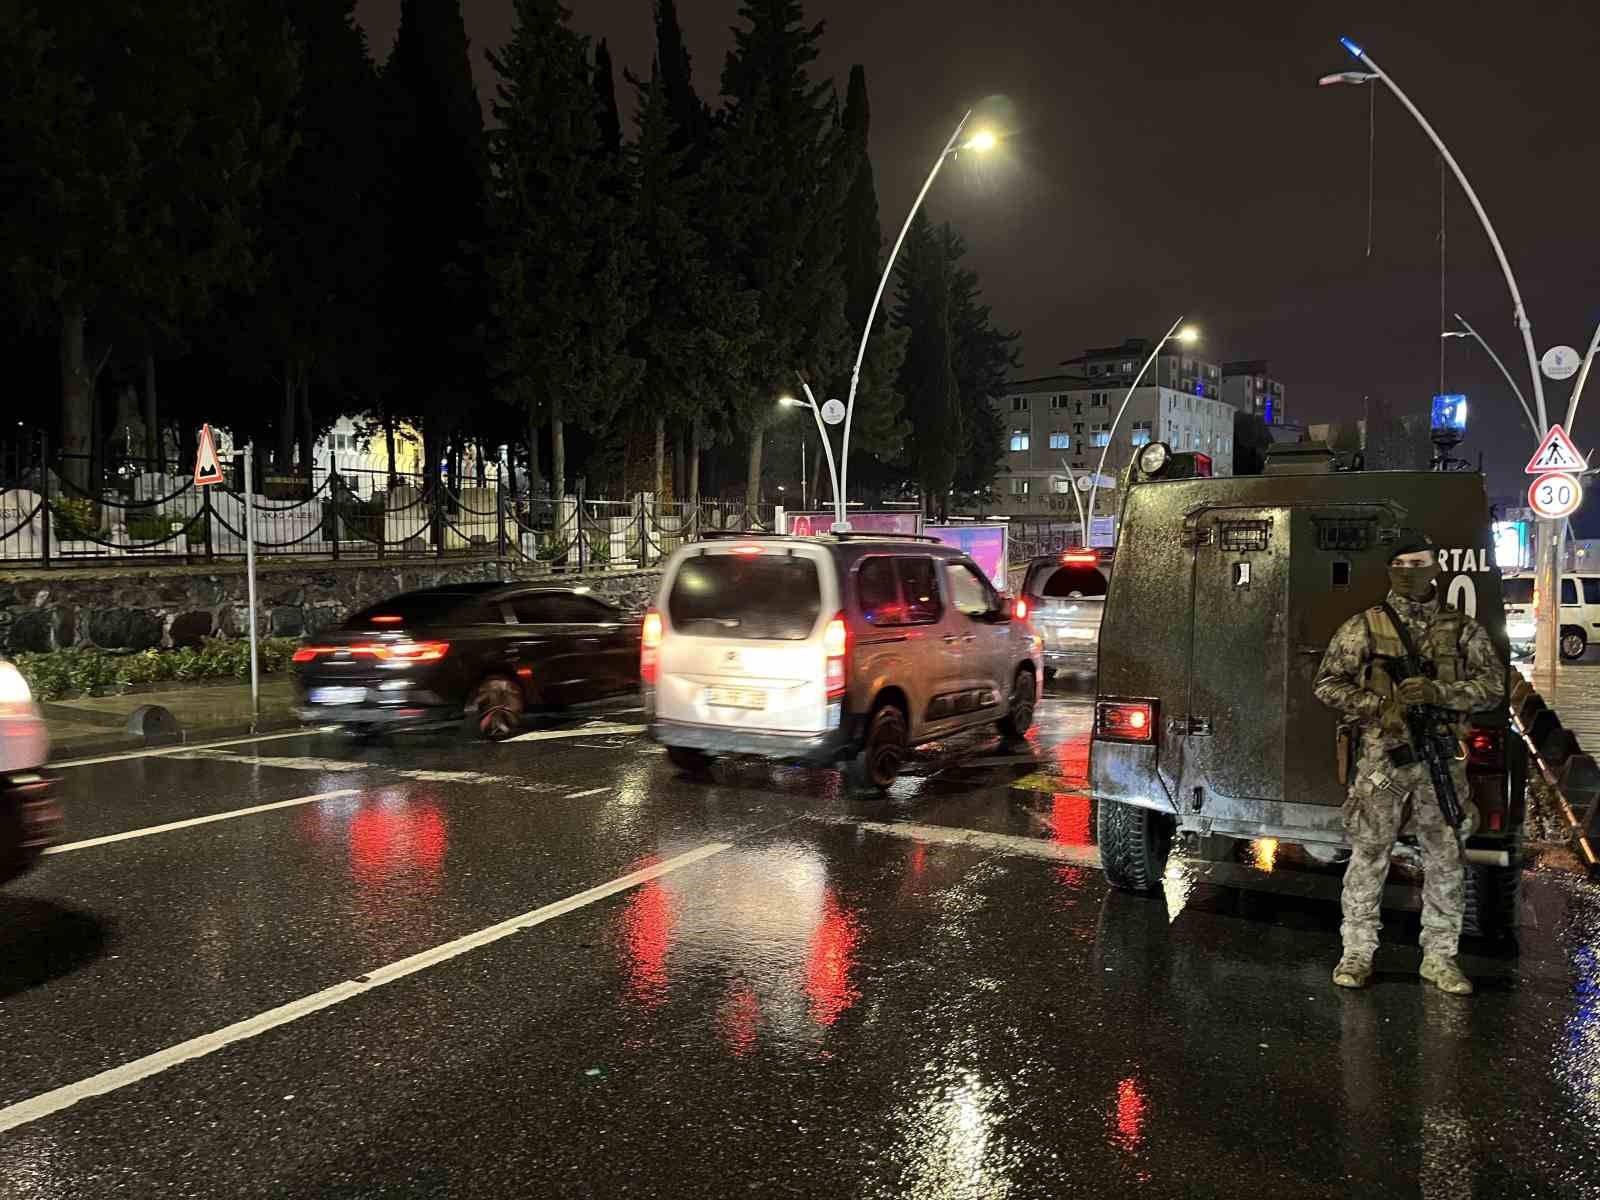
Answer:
[(150, 830), (1004, 843), (54, 1101), (189, 747)]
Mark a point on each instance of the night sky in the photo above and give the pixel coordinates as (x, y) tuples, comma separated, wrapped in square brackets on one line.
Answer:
[(1170, 158)]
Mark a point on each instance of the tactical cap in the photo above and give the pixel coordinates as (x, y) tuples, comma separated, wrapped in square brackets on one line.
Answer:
[(1410, 541)]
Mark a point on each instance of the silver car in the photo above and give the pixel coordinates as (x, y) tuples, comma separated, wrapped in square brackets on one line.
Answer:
[(1066, 597), (822, 650)]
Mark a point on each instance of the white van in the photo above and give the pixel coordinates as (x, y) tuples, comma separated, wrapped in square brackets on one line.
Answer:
[(831, 649)]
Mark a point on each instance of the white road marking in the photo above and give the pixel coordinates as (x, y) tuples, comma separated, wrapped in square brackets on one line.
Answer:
[(590, 792), (545, 735), (54, 1101), (289, 762), (189, 747), (150, 830), (1005, 843)]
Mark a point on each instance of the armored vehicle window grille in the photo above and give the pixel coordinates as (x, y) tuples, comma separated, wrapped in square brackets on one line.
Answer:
[(1345, 534), (1245, 535)]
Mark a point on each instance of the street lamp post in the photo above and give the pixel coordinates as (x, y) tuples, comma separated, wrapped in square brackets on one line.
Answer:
[(827, 446), (1546, 564), (1187, 336), (1468, 331), (1583, 375), (980, 141)]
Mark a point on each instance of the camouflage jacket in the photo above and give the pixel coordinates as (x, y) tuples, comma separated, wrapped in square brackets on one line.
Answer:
[(1341, 683)]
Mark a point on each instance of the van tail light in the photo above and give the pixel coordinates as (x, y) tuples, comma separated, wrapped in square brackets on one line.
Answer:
[(649, 646), (1125, 720), (1486, 747), (836, 646), (1020, 609)]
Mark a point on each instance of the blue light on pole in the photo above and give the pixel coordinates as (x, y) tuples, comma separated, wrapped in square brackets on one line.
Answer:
[(1354, 49)]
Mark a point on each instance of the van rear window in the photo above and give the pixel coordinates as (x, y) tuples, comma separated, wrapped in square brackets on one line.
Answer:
[(746, 596), (1517, 591)]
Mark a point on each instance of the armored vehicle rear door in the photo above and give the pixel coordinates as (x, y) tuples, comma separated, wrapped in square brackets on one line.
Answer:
[(1341, 562), (1239, 655)]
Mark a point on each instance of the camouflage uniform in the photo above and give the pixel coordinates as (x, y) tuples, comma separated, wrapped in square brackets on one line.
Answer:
[(1353, 681)]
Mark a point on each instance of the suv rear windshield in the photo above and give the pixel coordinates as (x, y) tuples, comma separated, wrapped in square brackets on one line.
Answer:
[(746, 596), (426, 608), (1517, 591), (1071, 580)]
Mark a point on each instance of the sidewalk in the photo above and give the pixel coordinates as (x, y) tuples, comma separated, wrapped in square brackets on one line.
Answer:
[(96, 724)]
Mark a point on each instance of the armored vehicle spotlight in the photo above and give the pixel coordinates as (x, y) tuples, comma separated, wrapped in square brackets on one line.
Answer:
[(1152, 458)]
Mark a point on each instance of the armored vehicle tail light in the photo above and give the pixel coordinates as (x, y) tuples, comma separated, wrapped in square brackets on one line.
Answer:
[(1125, 720), (649, 646), (1485, 747), (836, 646), (1070, 557), (1021, 609)]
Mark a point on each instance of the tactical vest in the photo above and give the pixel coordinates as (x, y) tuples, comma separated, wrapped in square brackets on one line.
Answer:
[(1439, 646)]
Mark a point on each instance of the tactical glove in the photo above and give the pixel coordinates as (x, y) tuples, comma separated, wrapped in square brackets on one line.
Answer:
[(1420, 690), (1392, 720)]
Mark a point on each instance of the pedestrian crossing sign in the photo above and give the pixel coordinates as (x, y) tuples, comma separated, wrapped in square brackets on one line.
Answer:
[(206, 467), (1555, 453)]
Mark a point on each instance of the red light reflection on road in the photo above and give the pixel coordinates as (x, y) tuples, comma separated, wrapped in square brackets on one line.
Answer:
[(647, 935), (740, 1015), (833, 947), (1072, 758), (1127, 1125), (1069, 819), (385, 841)]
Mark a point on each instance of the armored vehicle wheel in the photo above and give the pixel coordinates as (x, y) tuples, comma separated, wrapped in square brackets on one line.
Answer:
[(874, 768), (695, 762), (1134, 843), (1573, 642), (1491, 901)]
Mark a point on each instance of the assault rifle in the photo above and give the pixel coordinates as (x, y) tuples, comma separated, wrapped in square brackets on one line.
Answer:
[(1431, 730)]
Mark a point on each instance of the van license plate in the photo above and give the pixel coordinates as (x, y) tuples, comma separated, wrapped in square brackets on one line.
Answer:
[(724, 697), (338, 695)]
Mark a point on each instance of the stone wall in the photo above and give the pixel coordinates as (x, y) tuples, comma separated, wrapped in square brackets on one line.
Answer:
[(130, 608)]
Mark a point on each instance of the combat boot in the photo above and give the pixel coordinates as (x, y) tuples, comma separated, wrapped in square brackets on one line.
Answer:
[(1445, 975), (1353, 970)]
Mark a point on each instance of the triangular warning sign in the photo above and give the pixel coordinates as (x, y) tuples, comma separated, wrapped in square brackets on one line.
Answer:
[(1555, 453), (206, 467)]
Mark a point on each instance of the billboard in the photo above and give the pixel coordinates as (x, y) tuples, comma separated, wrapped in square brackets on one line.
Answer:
[(808, 523), (986, 545)]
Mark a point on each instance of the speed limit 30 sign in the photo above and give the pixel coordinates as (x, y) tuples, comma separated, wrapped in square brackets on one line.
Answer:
[(1555, 495)]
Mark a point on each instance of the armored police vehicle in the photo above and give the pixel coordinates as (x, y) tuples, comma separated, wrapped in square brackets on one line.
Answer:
[(1225, 595)]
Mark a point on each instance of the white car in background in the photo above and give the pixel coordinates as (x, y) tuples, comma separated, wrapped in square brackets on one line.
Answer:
[(1580, 613)]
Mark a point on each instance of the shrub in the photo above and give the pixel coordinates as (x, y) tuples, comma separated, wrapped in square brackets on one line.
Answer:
[(74, 518), (63, 673)]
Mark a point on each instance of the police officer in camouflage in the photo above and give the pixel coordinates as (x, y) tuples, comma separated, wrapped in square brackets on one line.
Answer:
[(1361, 677)]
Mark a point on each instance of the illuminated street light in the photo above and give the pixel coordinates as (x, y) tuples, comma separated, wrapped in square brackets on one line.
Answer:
[(984, 139), (822, 431), (1547, 568), (1189, 335), (1467, 331)]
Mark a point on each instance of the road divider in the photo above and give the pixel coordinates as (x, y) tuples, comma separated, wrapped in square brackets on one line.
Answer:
[(54, 1101)]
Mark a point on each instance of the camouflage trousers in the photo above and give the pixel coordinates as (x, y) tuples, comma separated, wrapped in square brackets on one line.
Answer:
[(1386, 800)]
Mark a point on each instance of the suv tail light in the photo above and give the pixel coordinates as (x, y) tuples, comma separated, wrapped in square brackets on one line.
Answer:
[(382, 651), (649, 646), (1485, 747), (1125, 720), (836, 646)]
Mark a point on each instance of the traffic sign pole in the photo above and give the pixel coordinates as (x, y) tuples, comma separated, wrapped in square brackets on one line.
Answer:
[(1556, 455)]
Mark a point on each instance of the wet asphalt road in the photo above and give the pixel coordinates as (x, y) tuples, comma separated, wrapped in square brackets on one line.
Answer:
[(784, 993)]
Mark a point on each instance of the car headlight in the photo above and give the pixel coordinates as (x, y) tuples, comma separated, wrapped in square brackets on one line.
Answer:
[(15, 696)]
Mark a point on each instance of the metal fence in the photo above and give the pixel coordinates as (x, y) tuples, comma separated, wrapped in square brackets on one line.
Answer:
[(152, 516)]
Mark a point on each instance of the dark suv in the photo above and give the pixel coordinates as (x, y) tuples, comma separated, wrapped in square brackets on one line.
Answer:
[(490, 650)]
